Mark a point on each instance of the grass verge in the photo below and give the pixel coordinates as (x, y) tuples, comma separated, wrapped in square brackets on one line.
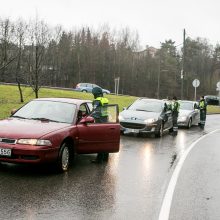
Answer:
[(213, 109), (10, 99)]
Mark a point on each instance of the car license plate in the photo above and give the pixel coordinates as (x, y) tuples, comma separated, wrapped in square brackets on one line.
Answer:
[(132, 130), (5, 152)]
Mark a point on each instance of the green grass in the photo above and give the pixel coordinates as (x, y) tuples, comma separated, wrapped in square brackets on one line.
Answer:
[(212, 109), (10, 99)]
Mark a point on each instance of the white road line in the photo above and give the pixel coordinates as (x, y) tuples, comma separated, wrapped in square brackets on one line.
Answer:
[(167, 201)]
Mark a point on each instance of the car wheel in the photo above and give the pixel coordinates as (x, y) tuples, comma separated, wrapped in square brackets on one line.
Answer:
[(159, 133), (84, 90), (63, 161), (189, 123), (105, 156)]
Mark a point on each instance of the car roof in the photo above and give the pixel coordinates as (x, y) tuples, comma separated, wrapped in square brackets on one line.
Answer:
[(66, 100), (148, 99), (187, 101)]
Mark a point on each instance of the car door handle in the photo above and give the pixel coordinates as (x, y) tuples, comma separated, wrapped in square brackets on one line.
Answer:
[(112, 128)]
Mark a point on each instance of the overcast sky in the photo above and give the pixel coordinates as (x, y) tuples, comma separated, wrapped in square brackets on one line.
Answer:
[(154, 20)]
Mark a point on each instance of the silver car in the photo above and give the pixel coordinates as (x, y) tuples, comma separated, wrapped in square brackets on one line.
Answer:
[(146, 116), (87, 87), (189, 114)]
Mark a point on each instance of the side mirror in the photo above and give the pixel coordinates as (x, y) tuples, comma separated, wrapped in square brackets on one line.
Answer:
[(124, 108), (13, 111), (87, 120)]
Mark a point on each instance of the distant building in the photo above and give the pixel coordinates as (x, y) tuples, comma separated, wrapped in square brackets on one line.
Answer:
[(148, 51)]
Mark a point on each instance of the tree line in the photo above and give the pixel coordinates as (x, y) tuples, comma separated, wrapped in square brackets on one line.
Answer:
[(36, 54)]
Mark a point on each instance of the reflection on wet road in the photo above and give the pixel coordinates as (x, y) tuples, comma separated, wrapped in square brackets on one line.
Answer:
[(131, 185)]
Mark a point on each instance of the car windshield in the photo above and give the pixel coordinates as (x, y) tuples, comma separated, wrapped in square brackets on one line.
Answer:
[(186, 106), (47, 110), (146, 105)]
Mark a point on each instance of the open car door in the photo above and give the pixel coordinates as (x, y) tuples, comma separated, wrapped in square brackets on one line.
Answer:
[(99, 131)]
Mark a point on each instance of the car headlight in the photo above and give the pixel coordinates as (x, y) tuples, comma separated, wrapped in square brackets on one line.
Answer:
[(34, 142), (121, 118), (150, 120)]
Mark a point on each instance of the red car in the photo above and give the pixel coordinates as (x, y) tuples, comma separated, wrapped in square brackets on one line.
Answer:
[(54, 130)]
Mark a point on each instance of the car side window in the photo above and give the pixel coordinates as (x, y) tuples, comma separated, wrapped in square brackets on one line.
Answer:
[(90, 106), (83, 111), (196, 106)]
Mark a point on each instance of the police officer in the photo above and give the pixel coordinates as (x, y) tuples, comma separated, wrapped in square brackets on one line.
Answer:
[(175, 113), (203, 108), (100, 115)]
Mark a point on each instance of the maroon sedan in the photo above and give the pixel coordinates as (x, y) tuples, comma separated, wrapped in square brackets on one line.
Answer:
[(55, 129)]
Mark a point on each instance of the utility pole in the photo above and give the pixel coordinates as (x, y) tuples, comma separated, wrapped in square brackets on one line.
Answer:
[(183, 62), (158, 77)]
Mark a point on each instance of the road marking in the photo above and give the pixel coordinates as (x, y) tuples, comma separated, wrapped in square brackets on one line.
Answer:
[(167, 201)]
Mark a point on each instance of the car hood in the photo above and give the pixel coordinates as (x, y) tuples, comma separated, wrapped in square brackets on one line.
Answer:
[(23, 128), (138, 115), (184, 112)]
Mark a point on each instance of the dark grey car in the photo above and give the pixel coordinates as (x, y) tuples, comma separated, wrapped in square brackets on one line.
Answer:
[(146, 116)]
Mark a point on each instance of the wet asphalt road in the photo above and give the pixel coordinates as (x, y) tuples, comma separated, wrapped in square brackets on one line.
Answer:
[(130, 186), (197, 193)]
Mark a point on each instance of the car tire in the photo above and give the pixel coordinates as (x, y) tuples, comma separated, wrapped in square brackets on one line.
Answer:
[(84, 90), (189, 123), (159, 133), (105, 156), (63, 160)]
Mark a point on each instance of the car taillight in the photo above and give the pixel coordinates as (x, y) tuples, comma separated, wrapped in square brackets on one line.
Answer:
[(77, 86)]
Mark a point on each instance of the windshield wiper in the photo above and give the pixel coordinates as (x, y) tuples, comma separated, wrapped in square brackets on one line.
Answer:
[(143, 110), (44, 119), (16, 116)]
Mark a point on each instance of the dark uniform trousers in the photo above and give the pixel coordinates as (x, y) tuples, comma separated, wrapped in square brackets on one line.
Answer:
[(175, 124), (202, 118)]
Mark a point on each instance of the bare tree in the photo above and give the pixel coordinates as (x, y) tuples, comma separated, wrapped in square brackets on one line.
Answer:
[(39, 39), (20, 29), (6, 56)]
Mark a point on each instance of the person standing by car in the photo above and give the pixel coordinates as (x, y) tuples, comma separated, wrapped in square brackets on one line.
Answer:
[(203, 109), (175, 114), (101, 116)]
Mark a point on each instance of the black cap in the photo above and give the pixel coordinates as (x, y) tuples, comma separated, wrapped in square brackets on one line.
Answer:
[(97, 91)]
